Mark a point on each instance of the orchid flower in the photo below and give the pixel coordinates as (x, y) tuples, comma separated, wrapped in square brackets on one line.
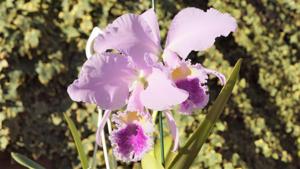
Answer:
[(108, 78), (124, 69)]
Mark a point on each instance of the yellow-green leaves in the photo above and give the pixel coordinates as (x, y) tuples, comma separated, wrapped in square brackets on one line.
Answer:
[(185, 157), (47, 71), (25, 161), (32, 38)]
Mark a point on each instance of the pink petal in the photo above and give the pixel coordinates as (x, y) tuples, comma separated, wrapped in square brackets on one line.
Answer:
[(104, 81), (194, 29), (150, 17), (134, 102), (173, 129), (161, 93), (101, 124), (131, 35), (88, 48)]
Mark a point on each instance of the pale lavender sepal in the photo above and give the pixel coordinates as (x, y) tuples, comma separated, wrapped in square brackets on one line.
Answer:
[(150, 17), (101, 123), (161, 93), (173, 129), (134, 102), (194, 29), (89, 51), (103, 80), (131, 35)]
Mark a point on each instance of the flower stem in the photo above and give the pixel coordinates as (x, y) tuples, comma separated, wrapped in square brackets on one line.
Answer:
[(161, 138)]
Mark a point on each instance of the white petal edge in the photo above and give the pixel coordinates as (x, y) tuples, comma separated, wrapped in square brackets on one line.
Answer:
[(89, 44)]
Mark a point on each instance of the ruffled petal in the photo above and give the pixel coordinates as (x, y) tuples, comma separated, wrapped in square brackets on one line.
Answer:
[(199, 71), (219, 75), (134, 102), (131, 35), (144, 118), (161, 93), (101, 123), (89, 51), (173, 129), (198, 96), (202, 73), (194, 29), (104, 80), (130, 142)]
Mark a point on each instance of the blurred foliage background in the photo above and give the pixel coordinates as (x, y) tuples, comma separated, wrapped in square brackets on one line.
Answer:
[(42, 48)]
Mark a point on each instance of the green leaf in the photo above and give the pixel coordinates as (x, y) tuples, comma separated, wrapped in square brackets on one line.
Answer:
[(185, 157), (78, 143), (25, 161), (150, 162)]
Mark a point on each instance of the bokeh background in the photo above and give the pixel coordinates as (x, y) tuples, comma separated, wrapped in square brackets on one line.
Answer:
[(42, 49)]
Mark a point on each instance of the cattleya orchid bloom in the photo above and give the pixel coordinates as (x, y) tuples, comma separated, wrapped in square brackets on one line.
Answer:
[(124, 68)]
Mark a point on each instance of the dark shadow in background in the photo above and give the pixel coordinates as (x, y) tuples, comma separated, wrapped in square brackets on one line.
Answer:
[(34, 128), (239, 138)]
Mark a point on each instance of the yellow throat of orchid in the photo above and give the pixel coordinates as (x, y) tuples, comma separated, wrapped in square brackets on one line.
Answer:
[(131, 117), (181, 72)]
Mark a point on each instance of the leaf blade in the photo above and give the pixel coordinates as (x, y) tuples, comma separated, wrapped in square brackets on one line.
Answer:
[(78, 143), (150, 162), (185, 157), (25, 161)]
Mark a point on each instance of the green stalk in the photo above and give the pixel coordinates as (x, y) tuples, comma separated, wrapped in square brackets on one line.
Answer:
[(161, 127), (161, 138)]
